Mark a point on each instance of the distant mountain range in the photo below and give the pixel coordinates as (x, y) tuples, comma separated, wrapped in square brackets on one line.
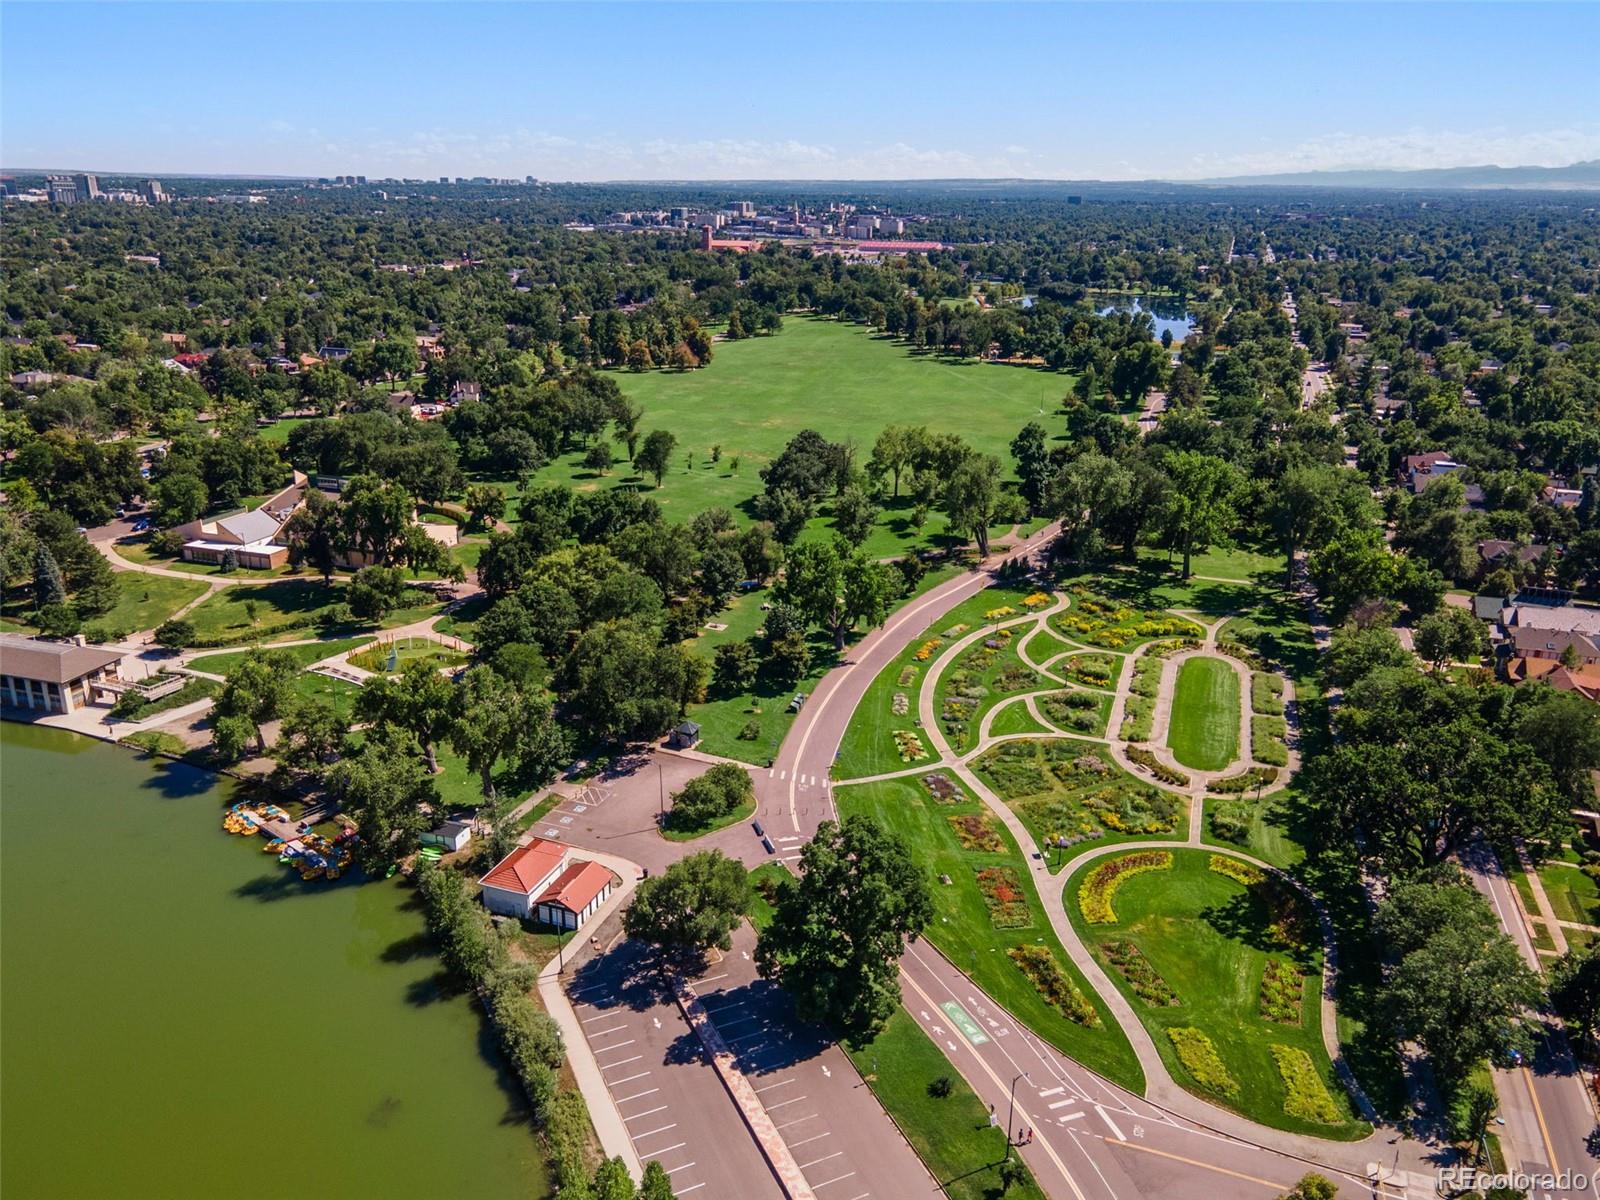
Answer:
[(1580, 175)]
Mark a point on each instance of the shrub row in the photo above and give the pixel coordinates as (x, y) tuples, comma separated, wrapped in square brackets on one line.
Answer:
[(1305, 1095), (1245, 781), (1268, 740), (1138, 715), (1199, 1057), (1148, 760), (1055, 985), (1097, 892), (1266, 693)]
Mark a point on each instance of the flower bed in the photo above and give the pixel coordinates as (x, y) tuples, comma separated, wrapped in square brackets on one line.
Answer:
[(1054, 984), (1003, 897), (1036, 600), (900, 704), (942, 788), (908, 676), (1199, 1057), (909, 745), (1091, 670), (1015, 678), (1096, 893), (977, 831), (1148, 760), (1076, 712), (1103, 622), (1266, 694), (1239, 872), (1282, 986), (1143, 978), (1305, 1096), (999, 614), (1245, 781), (925, 650)]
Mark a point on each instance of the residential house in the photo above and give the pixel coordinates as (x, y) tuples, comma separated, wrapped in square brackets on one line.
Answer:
[(1496, 551), (1583, 679), (543, 881), (1552, 644), (54, 677), (1558, 496)]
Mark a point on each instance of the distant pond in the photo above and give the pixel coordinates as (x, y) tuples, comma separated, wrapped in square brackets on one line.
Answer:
[(1165, 311)]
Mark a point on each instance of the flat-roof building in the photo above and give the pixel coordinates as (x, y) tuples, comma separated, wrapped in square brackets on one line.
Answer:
[(54, 677)]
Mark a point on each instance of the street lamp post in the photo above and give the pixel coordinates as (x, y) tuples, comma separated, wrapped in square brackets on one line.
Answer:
[(1011, 1106)]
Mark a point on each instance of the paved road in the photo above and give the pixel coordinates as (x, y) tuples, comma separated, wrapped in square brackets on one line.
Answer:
[(1550, 1124), (796, 789), (1094, 1140)]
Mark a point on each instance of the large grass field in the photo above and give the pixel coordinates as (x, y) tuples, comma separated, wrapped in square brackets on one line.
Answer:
[(143, 602), (975, 941), (841, 380), (1205, 714), (281, 609), (1208, 938)]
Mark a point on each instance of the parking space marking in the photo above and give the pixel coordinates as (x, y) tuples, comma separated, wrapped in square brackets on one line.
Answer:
[(722, 1026), (669, 1149), (785, 1103), (621, 1062), (649, 1112), (599, 1016), (629, 1079), (779, 1084), (687, 1190), (638, 1137), (711, 978), (835, 1179), (796, 1121), (745, 1037), (638, 1095), (682, 1167), (816, 1137), (823, 1159), (604, 1032)]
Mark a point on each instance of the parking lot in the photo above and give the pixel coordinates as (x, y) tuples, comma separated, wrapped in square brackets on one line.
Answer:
[(672, 1102), (840, 1137)]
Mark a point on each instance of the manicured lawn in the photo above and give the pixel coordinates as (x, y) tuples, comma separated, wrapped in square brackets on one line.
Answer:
[(1209, 939), (1273, 824), (767, 875), (963, 929), (143, 602), (1205, 714), (463, 622), (281, 608), (1241, 563), (1015, 718), (868, 746), (951, 1133), (1573, 895), (301, 656), (427, 650), (280, 430), (838, 379)]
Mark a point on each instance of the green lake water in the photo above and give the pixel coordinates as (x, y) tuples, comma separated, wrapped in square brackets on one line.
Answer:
[(181, 1017)]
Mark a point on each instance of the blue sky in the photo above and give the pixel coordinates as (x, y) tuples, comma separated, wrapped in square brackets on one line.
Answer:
[(770, 90)]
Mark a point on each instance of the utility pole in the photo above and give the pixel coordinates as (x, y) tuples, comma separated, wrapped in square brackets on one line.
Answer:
[(1011, 1107)]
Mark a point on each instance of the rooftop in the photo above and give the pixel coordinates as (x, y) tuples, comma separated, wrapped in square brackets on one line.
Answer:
[(527, 867), (577, 886), (53, 662)]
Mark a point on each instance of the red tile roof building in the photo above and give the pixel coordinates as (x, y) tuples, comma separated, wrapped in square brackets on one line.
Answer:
[(541, 881)]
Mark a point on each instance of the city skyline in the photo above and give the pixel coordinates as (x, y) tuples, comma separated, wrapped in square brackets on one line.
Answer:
[(873, 92)]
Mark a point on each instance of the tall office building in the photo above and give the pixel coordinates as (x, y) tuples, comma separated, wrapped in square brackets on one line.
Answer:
[(62, 189), (153, 192), (88, 187)]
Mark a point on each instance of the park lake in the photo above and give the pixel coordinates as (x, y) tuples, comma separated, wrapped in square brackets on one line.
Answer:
[(201, 1023), (1166, 313)]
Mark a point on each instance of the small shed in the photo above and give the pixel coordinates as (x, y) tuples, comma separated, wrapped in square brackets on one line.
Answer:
[(685, 737), (452, 835)]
